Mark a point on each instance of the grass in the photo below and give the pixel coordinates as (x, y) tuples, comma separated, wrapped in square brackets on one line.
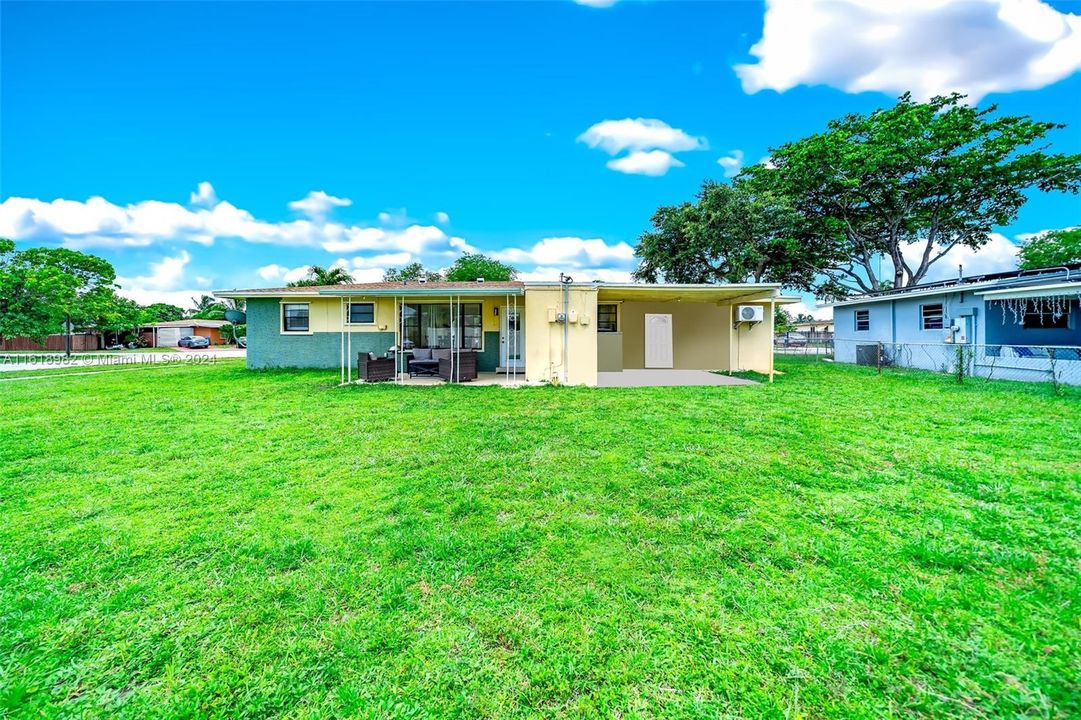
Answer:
[(208, 541)]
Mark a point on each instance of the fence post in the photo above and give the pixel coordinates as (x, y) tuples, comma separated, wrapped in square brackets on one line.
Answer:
[(878, 356)]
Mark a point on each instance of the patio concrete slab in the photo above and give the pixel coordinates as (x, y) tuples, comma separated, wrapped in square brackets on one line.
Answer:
[(666, 378)]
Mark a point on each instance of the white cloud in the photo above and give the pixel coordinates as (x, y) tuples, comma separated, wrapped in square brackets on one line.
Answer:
[(930, 47), (570, 253), (442, 218), (165, 282), (732, 163), (204, 195), (818, 313), (317, 204), (649, 144), (615, 136), (166, 274), (580, 274), (998, 255), (98, 223), (653, 163)]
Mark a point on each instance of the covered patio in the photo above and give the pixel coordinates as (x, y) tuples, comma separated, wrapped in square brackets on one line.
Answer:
[(441, 332)]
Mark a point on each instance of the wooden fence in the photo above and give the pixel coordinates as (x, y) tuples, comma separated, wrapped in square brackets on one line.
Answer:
[(79, 342)]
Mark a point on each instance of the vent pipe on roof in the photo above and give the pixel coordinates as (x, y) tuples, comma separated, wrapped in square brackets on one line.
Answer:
[(960, 272), (422, 280), (480, 280)]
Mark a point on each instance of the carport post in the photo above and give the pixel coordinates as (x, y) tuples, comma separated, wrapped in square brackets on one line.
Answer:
[(772, 320)]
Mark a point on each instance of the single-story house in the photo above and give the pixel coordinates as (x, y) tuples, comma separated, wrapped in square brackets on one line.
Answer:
[(545, 331), (1012, 323), (168, 334), (815, 329)]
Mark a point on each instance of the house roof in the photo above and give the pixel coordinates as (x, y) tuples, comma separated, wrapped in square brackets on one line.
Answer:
[(488, 287), (1013, 280), (191, 322), (612, 291)]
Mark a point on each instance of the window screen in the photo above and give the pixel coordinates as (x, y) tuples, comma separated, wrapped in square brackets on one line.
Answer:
[(931, 316), (295, 317), (863, 320), (361, 313)]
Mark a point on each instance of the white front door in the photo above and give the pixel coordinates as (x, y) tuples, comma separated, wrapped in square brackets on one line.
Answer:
[(658, 341), (511, 337)]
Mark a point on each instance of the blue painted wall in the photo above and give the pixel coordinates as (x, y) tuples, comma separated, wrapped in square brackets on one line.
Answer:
[(269, 348), (899, 321)]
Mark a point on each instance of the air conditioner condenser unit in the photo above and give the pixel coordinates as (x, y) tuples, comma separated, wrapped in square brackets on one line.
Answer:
[(750, 313)]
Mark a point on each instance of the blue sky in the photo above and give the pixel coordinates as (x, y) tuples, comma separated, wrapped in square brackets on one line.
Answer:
[(427, 128)]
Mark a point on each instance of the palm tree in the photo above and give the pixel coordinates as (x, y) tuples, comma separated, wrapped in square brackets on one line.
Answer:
[(323, 276)]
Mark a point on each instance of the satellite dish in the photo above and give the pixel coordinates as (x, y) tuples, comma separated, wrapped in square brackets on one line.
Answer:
[(235, 316)]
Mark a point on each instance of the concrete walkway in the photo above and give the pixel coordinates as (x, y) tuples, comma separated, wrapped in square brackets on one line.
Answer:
[(666, 378), (11, 362)]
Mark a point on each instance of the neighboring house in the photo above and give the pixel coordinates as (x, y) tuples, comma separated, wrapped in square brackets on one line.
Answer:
[(609, 328), (1013, 320), (168, 334), (815, 329)]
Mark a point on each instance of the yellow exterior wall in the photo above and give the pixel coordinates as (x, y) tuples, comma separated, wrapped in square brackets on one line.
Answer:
[(325, 313), (544, 339), (700, 334), (752, 346)]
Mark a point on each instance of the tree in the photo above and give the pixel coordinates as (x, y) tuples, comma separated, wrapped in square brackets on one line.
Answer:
[(162, 312), (119, 315), (731, 233), (804, 318), (911, 182), (207, 307), (42, 288), (470, 266), (1051, 249), (411, 272), (782, 320), (318, 276)]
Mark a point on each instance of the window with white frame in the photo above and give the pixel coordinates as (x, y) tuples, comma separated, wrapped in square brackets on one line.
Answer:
[(931, 316), (295, 317), (863, 320), (361, 313)]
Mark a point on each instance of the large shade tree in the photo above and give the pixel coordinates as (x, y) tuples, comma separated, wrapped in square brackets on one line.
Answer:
[(910, 183), (43, 289), (410, 273), (471, 266), (730, 233)]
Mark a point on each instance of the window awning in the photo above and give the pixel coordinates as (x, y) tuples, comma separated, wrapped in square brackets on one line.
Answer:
[(1039, 291)]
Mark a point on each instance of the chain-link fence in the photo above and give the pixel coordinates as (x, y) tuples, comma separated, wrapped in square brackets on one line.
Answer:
[(801, 343), (1058, 365)]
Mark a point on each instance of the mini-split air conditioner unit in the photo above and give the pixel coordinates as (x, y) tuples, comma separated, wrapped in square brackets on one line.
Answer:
[(750, 313)]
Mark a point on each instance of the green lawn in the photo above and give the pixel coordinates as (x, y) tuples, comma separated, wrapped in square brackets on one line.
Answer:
[(210, 541)]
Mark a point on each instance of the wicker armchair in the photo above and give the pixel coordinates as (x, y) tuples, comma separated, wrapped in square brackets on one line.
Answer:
[(465, 367), (373, 369)]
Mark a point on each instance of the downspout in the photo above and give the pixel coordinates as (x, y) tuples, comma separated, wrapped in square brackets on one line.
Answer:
[(772, 327), (566, 280)]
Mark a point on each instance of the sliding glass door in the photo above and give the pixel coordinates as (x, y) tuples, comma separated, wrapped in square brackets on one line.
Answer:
[(429, 325)]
